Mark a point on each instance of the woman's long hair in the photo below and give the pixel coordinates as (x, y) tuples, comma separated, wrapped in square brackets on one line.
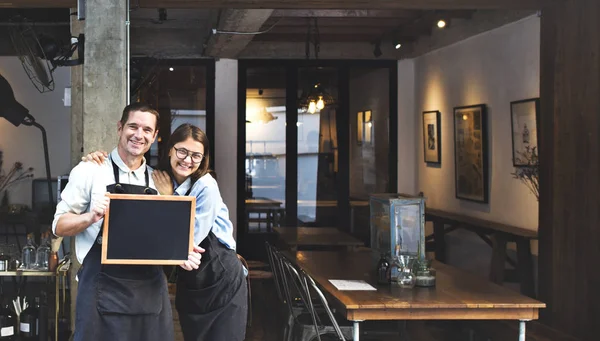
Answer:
[(182, 133)]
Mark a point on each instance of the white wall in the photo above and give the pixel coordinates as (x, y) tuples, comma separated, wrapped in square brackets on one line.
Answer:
[(226, 112), (24, 143), (494, 68)]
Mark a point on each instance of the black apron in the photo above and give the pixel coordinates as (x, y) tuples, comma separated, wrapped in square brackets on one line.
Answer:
[(212, 301), (122, 302)]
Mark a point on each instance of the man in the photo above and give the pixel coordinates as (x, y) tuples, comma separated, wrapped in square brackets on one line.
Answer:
[(116, 302)]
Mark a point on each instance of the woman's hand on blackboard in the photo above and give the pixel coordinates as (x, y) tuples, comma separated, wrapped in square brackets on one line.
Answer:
[(99, 207), (163, 182), (194, 259), (97, 157)]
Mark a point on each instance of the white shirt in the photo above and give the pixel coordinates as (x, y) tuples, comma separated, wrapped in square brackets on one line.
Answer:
[(87, 182), (211, 211)]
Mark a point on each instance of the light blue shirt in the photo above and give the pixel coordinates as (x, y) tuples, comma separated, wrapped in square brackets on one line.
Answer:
[(211, 212), (87, 183)]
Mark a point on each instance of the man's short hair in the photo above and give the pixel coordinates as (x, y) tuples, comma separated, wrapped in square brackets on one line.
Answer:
[(139, 106)]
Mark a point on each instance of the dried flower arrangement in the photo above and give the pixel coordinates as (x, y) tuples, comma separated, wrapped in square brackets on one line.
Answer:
[(530, 173), (15, 174)]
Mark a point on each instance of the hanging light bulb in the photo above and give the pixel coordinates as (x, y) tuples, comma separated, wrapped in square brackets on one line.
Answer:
[(320, 103), (312, 107)]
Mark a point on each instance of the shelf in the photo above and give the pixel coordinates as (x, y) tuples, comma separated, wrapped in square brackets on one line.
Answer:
[(28, 273)]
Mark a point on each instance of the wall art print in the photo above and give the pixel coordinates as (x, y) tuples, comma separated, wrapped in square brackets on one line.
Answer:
[(470, 153), (523, 119), (432, 137)]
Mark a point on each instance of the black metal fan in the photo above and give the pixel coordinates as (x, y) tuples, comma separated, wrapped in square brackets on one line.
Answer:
[(41, 54), (27, 46)]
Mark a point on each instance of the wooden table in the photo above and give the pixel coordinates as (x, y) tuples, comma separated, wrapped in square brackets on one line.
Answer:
[(271, 209), (457, 295), (306, 237)]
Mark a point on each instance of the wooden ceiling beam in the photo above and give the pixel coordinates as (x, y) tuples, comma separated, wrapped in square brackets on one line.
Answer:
[(300, 4)]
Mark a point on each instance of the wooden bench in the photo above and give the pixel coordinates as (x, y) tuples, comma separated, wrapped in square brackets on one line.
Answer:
[(496, 235)]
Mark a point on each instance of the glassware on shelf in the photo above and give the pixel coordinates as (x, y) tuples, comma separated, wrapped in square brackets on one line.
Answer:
[(14, 254), (4, 257), (28, 323), (43, 253), (7, 323), (28, 260)]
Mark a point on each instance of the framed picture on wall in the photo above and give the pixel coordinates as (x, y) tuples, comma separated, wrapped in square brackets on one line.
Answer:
[(470, 153), (368, 127), (359, 127), (523, 119), (432, 137)]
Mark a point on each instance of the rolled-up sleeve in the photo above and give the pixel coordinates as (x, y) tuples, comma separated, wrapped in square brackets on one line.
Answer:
[(76, 196)]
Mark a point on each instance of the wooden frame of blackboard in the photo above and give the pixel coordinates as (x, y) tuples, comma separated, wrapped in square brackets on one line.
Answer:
[(143, 208)]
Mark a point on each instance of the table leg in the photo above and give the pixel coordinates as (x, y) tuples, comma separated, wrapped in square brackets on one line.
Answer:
[(497, 266), (356, 331), (522, 330), (525, 267), (440, 241)]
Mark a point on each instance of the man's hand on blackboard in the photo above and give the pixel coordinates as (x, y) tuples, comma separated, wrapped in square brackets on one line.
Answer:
[(194, 259), (99, 207)]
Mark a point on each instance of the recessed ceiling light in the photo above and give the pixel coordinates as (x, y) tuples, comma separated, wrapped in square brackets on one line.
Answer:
[(171, 69), (441, 23), (398, 45)]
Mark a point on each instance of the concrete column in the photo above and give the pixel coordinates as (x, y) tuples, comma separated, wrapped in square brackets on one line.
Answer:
[(226, 110), (104, 73)]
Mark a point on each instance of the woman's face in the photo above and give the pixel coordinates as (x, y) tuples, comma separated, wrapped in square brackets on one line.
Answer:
[(185, 158)]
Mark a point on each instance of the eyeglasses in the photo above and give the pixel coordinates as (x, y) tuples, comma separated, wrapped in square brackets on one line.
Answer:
[(183, 153)]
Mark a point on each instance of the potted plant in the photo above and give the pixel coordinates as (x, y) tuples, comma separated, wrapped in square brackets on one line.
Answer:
[(529, 174), (8, 178)]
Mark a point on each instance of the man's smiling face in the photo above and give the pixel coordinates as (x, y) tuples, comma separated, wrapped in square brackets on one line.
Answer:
[(137, 134)]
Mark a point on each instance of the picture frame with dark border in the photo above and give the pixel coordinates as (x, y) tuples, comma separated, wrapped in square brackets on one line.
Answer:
[(432, 152), (359, 127), (523, 126), (470, 153), (148, 229)]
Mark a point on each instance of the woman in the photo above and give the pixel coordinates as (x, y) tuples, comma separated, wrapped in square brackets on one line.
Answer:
[(212, 300)]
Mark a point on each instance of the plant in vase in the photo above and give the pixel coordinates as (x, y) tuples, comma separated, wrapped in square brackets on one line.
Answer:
[(8, 178), (529, 174)]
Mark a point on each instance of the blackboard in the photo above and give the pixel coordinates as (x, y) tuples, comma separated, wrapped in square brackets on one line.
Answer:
[(148, 229)]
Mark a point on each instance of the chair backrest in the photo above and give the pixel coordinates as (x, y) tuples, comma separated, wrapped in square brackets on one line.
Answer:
[(276, 269), (310, 284), (295, 278), (287, 283)]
